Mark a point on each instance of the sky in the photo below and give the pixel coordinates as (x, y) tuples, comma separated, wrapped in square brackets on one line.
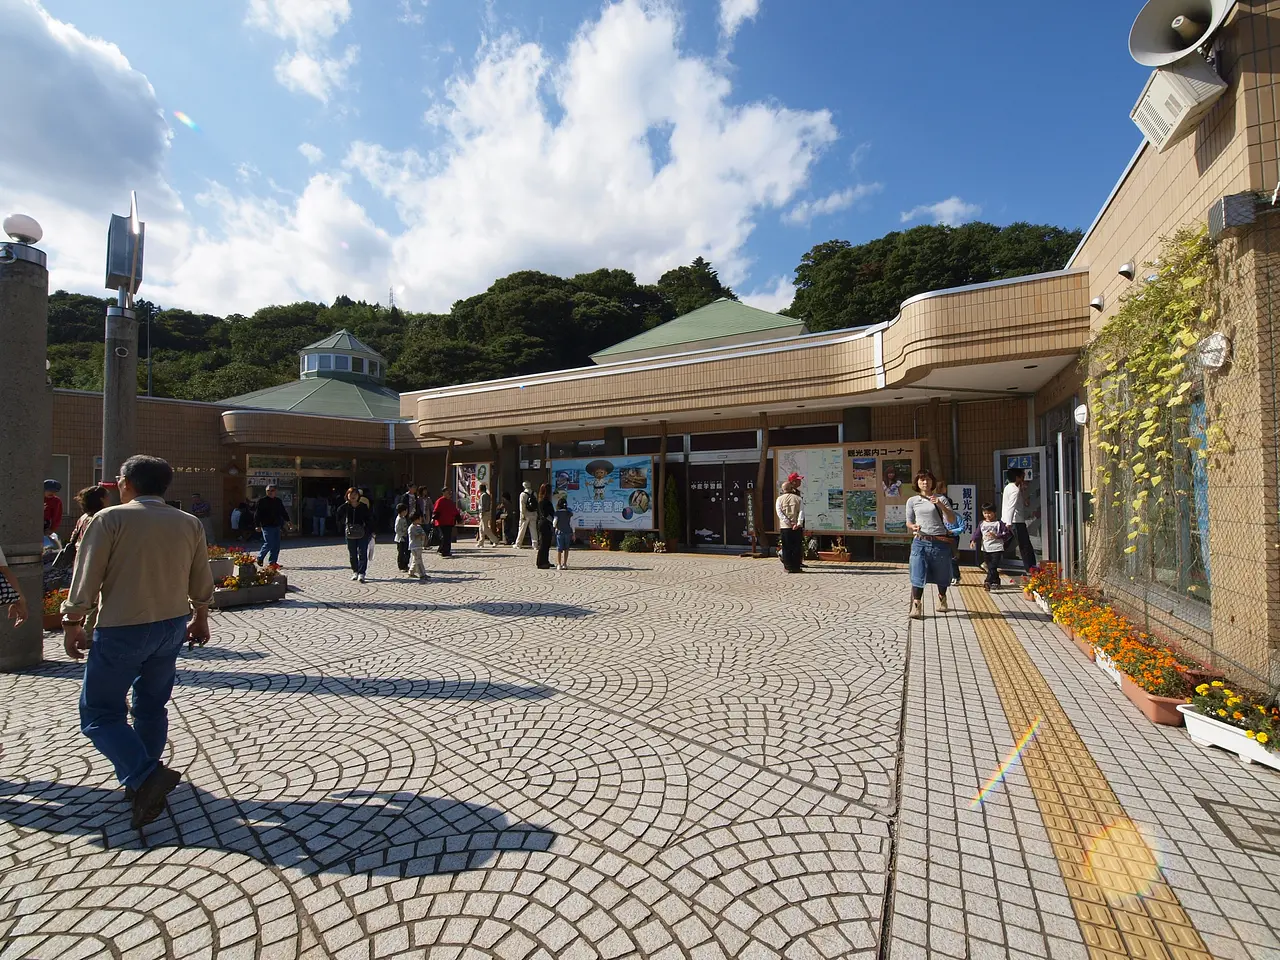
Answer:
[(302, 149)]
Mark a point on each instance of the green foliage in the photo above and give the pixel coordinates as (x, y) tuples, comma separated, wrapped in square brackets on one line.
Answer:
[(1142, 380), (672, 522), (636, 543), (842, 285)]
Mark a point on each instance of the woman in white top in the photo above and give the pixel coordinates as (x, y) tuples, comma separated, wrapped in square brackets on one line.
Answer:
[(928, 514), (790, 510)]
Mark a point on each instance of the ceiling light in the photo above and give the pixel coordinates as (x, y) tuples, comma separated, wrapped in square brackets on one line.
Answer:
[(1011, 388), (799, 406), (899, 398), (1031, 366)]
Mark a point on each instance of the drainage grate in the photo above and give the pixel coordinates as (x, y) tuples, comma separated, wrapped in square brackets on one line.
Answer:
[(1249, 828)]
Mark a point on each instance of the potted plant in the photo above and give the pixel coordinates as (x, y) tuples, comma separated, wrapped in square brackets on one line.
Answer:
[(1220, 717), (223, 562), (634, 543), (837, 554), (600, 540), (262, 586), (1153, 679), (52, 611)]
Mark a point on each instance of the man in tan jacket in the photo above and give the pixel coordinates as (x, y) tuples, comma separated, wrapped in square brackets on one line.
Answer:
[(144, 567)]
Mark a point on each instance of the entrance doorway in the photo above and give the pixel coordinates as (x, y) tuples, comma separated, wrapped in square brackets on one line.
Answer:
[(721, 496), (332, 489)]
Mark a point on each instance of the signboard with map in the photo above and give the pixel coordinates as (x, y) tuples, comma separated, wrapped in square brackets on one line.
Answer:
[(853, 488)]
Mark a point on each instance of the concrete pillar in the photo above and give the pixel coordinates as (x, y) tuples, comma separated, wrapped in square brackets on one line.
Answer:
[(26, 428), (119, 390), (511, 466), (857, 424)]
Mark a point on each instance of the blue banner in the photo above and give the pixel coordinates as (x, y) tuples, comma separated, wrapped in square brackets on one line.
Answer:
[(606, 493)]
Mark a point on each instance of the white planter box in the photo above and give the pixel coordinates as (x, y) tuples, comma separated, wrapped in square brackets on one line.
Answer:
[(1107, 666), (1207, 732)]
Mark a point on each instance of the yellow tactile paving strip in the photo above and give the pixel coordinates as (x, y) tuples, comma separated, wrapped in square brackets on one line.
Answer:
[(1123, 905)]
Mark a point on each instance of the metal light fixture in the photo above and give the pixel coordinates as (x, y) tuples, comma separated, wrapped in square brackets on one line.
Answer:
[(1214, 351), (1098, 303), (1127, 270), (1081, 414)]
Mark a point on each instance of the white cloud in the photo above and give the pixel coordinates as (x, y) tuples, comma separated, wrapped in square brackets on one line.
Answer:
[(628, 152), (734, 13), (806, 210), (411, 12), (313, 153), (950, 212), (775, 299), (316, 76), (309, 25)]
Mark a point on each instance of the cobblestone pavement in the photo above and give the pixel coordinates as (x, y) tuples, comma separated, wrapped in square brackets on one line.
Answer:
[(648, 756)]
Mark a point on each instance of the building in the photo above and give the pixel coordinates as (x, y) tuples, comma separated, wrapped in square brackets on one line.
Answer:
[(967, 380)]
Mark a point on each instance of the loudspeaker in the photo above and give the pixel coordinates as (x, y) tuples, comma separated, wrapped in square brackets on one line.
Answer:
[(1168, 30)]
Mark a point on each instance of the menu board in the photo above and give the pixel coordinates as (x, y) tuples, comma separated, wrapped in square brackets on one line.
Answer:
[(466, 491), (854, 488), (606, 493)]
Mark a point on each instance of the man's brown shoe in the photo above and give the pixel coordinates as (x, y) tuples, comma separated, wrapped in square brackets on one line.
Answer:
[(149, 800)]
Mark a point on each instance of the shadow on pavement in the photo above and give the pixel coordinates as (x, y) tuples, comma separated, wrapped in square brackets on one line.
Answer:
[(385, 834), (459, 688)]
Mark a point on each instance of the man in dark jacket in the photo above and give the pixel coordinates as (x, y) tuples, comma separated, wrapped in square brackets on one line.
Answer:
[(272, 516)]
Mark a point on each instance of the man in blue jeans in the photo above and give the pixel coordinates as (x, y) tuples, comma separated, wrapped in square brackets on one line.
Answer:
[(272, 516), (144, 566)]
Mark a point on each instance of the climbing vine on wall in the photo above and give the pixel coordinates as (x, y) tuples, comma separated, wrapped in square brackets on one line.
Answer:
[(1142, 380)]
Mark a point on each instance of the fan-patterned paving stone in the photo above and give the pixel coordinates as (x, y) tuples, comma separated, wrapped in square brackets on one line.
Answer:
[(644, 756)]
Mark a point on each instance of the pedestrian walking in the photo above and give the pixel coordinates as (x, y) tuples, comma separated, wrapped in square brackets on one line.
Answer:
[(927, 517), (546, 519), (417, 544), (990, 537), (272, 516), (355, 520), (1015, 506), (504, 520), (486, 518), (564, 533), (402, 537), (790, 510), (319, 516), (445, 517), (144, 566), (201, 510), (528, 517)]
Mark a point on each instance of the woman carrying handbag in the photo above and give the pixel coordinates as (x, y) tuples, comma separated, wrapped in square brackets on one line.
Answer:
[(355, 520)]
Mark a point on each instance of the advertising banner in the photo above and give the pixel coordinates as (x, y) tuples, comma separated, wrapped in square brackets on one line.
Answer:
[(467, 478), (853, 488), (965, 498), (606, 493)]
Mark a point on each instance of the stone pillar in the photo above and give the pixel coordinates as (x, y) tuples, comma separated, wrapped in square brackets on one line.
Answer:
[(119, 389), (26, 438)]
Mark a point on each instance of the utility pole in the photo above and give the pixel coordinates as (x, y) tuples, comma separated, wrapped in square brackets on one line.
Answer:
[(120, 374), (25, 430)]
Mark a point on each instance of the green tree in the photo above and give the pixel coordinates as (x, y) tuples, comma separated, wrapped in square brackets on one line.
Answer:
[(694, 286)]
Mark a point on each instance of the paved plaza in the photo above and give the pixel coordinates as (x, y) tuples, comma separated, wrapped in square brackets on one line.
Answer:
[(647, 756)]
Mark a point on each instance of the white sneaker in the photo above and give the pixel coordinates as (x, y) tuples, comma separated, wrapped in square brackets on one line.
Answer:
[(355, 576), (362, 578)]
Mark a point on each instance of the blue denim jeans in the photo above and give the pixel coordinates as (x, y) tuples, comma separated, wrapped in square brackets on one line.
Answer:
[(142, 656), (271, 544), (358, 551), (931, 563)]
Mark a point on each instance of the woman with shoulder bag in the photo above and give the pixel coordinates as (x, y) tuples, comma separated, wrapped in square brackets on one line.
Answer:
[(356, 522), (928, 514)]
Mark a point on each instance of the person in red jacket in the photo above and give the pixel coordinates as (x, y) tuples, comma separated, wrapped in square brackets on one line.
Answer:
[(445, 517), (52, 506)]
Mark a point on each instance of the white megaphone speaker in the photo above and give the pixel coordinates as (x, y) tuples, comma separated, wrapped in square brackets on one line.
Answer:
[(1169, 35)]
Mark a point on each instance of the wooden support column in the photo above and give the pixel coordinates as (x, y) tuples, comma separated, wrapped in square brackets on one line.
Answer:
[(935, 458), (448, 460), (761, 477), (546, 456), (495, 475), (662, 481)]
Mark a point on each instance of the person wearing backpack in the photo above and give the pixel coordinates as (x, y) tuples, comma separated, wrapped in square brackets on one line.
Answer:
[(355, 520), (528, 517)]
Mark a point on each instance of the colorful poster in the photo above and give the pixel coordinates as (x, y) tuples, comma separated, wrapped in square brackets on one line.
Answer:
[(467, 478), (862, 473), (896, 479), (895, 518), (862, 511), (606, 493)]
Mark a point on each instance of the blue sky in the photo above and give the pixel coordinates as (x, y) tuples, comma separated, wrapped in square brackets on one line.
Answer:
[(449, 141)]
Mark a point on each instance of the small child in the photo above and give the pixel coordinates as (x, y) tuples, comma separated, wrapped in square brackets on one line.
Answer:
[(416, 543), (402, 537), (993, 535), (564, 533)]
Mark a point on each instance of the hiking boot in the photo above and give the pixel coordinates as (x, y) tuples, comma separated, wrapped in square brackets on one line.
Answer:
[(916, 612), (150, 798), (942, 604)]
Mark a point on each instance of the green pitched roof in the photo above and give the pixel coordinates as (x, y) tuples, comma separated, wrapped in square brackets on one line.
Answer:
[(342, 340), (341, 398), (718, 320)]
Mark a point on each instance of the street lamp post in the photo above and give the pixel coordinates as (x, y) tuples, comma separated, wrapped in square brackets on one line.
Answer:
[(25, 430), (125, 239)]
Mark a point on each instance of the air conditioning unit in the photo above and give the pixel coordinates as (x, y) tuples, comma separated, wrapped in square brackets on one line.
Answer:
[(1175, 100)]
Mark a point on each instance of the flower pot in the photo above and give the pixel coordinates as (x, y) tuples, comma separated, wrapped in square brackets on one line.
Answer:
[(222, 568), (1207, 732), (1108, 667), (1083, 646), (832, 556), (247, 596), (1162, 710), (52, 621)]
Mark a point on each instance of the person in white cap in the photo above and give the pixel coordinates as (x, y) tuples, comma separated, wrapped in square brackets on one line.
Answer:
[(528, 517)]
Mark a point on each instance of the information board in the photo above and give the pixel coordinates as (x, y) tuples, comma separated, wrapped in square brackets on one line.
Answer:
[(853, 488), (466, 491), (606, 493)]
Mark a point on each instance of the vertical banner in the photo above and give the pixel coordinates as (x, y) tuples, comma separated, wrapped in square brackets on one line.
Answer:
[(965, 497), (606, 493), (467, 478), (855, 488)]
